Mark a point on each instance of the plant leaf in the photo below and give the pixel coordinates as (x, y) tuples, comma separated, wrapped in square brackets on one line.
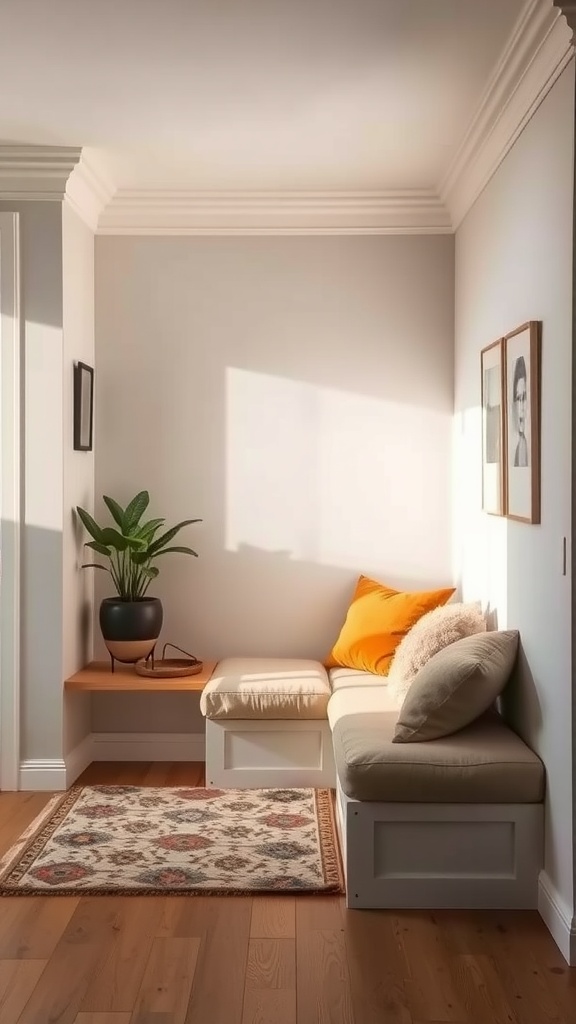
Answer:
[(167, 537), (90, 524), (97, 546), (135, 510), (117, 512), (147, 530), (136, 543), (139, 557), (184, 551), (114, 539), (94, 565), (150, 573)]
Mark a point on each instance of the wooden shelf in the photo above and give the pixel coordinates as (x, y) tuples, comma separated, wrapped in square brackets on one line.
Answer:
[(97, 676)]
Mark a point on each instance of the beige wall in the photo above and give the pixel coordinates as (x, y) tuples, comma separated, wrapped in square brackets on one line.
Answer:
[(514, 263), (78, 483), (295, 393)]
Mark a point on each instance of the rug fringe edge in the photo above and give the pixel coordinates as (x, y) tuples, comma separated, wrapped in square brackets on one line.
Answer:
[(29, 834), (330, 890), (38, 831), (328, 838)]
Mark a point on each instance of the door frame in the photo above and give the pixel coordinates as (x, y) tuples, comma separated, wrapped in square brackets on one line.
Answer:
[(10, 499)]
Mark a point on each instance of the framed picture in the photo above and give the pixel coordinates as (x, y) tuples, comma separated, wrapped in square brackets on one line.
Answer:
[(522, 369), (493, 464), (83, 407)]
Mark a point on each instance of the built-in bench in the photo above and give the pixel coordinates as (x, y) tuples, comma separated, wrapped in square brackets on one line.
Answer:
[(453, 822), (267, 724)]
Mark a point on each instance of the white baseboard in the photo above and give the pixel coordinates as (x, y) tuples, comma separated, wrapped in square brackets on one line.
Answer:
[(558, 918), (133, 746), (148, 746), (78, 759), (42, 775)]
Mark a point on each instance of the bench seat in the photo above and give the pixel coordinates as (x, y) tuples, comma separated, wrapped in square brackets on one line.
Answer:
[(452, 822), (267, 725)]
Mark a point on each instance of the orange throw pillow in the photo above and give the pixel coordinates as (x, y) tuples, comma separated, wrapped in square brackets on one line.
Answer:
[(377, 620)]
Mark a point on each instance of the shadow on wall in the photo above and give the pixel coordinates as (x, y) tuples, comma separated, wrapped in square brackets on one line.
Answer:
[(56, 635), (520, 703), (368, 316)]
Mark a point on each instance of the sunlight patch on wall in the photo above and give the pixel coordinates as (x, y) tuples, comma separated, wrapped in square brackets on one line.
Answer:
[(335, 478), (270, 464), (43, 437), (480, 540)]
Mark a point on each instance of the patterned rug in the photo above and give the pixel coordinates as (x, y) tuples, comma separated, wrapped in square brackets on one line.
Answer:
[(106, 840)]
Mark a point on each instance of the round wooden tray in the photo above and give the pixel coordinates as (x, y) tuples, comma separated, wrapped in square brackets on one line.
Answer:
[(169, 668)]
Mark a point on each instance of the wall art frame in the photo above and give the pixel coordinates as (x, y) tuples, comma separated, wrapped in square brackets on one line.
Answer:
[(493, 427), (522, 366), (83, 407)]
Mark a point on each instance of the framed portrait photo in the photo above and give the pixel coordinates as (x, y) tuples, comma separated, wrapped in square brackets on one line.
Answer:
[(522, 371), (493, 413), (83, 407)]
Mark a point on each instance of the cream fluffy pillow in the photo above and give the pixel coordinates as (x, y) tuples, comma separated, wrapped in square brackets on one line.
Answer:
[(434, 631)]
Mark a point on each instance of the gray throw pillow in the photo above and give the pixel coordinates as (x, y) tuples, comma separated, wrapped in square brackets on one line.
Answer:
[(456, 686)]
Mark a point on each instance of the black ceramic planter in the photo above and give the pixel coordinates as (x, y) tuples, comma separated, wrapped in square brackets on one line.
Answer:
[(130, 628)]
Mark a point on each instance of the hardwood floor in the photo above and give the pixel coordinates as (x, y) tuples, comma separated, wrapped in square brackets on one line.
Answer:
[(267, 960)]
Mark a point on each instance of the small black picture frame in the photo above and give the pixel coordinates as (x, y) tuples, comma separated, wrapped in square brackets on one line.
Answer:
[(83, 407)]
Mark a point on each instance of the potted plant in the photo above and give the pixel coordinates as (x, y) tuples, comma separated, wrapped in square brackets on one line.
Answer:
[(131, 622)]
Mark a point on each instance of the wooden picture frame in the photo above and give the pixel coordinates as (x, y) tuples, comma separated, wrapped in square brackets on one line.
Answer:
[(83, 407), (493, 419), (522, 374)]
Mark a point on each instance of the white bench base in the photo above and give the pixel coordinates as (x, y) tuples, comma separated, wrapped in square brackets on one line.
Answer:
[(269, 753), (435, 856)]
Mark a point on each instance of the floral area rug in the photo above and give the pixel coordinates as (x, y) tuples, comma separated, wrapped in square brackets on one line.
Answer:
[(106, 840)]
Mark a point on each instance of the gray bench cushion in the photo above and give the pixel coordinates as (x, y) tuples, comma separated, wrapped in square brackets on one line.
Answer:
[(484, 763)]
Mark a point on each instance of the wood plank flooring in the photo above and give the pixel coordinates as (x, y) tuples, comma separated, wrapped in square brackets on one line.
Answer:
[(267, 960)]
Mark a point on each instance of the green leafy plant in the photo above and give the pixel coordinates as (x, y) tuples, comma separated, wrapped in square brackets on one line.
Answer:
[(131, 546)]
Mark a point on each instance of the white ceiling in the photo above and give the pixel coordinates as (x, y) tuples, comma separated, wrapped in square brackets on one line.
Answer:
[(258, 95)]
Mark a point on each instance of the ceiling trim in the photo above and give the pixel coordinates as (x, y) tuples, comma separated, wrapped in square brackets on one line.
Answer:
[(569, 12), (36, 172), (536, 54), (88, 191), (162, 212)]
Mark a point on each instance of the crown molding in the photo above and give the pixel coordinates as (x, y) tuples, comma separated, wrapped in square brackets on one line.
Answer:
[(163, 212), (36, 172), (67, 174), (57, 174), (569, 12), (89, 191), (536, 54)]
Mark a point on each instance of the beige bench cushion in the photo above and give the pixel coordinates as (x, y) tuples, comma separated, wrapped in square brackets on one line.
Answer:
[(484, 763), (266, 688), (360, 699), (341, 678)]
